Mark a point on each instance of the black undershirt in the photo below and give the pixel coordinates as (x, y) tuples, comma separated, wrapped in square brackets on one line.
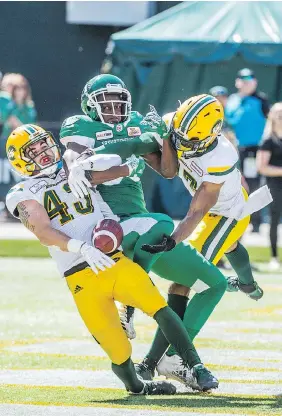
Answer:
[(274, 145)]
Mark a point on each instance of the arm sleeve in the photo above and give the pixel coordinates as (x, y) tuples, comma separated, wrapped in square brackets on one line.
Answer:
[(267, 145), (16, 195), (72, 131), (219, 174)]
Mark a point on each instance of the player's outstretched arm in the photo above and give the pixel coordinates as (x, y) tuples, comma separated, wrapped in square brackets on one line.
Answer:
[(35, 218), (162, 164), (204, 199)]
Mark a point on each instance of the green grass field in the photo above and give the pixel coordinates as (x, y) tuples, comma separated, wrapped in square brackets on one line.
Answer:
[(37, 316)]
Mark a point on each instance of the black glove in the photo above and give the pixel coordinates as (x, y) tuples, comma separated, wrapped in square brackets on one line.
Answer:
[(166, 244)]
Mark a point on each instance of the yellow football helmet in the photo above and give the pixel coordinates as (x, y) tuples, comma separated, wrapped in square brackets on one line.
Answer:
[(196, 124), (23, 161)]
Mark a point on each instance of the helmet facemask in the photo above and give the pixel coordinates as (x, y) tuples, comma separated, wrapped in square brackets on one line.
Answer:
[(51, 151), (189, 147), (100, 98)]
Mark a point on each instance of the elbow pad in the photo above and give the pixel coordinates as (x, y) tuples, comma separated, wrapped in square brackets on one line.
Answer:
[(100, 163)]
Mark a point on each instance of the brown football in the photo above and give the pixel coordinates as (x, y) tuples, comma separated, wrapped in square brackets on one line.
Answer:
[(107, 235)]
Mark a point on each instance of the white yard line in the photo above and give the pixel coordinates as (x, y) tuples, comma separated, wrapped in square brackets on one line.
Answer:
[(32, 410)]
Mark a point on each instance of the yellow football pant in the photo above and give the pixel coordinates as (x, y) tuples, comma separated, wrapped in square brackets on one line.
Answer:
[(215, 234), (94, 296)]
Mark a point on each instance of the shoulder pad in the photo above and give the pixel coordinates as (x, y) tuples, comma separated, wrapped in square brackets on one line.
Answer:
[(17, 194)]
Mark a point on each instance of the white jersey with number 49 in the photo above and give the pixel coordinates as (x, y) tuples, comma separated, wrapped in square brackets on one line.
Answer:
[(218, 164), (75, 218)]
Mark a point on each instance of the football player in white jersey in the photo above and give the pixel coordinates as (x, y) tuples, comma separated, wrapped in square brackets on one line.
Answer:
[(220, 209), (219, 212), (47, 207)]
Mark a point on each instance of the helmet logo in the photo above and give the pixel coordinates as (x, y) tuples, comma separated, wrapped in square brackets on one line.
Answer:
[(119, 127), (217, 127), (113, 85), (11, 153)]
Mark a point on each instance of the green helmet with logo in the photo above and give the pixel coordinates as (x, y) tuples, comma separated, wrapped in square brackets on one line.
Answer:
[(95, 92)]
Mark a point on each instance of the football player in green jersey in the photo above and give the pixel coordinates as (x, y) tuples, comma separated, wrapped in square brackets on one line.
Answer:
[(110, 127)]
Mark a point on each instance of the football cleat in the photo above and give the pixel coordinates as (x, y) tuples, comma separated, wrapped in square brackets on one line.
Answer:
[(232, 284), (144, 371), (172, 367), (205, 380), (253, 290), (154, 388), (126, 315)]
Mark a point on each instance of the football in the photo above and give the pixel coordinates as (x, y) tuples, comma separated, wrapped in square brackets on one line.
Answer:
[(107, 235)]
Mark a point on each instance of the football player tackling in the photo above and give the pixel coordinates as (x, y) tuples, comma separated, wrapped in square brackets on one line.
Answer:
[(110, 127), (47, 207)]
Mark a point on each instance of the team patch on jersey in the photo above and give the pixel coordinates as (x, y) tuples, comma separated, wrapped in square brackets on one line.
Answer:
[(133, 131), (39, 185), (119, 127), (196, 168), (104, 135)]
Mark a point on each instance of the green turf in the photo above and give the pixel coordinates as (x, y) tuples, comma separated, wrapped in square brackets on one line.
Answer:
[(32, 248), (195, 402), (22, 248), (37, 306)]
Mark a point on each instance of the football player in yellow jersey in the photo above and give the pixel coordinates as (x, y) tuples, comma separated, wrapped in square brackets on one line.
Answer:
[(220, 209), (46, 206), (219, 212)]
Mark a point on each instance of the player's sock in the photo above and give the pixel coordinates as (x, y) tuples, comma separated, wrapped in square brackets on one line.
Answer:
[(200, 308), (174, 330), (178, 304), (127, 374), (240, 261)]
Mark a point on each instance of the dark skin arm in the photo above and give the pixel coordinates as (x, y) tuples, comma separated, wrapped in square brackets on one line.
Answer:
[(165, 163), (204, 199)]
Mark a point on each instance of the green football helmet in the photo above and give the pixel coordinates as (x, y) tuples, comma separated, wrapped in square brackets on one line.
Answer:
[(95, 93)]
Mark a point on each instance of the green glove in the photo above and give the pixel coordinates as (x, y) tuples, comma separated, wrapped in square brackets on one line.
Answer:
[(136, 167), (155, 121)]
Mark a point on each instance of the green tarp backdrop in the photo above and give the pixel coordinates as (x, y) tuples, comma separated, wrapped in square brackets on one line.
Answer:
[(195, 45), (188, 49)]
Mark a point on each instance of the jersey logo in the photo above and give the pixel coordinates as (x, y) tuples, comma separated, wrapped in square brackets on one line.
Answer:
[(104, 135), (39, 185), (119, 127), (133, 131), (196, 168)]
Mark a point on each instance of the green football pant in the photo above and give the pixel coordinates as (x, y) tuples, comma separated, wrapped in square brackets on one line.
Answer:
[(183, 265), (144, 229)]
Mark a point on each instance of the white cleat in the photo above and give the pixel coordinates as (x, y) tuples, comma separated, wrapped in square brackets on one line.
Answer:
[(126, 315), (173, 368), (274, 264)]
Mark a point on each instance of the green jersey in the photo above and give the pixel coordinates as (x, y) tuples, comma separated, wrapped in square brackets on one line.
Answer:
[(7, 108), (133, 137)]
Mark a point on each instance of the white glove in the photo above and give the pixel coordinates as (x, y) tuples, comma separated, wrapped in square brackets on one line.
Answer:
[(78, 182), (95, 258)]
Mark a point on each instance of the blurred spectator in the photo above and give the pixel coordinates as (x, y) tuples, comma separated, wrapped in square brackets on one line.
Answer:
[(7, 106), (221, 94), (269, 164), (246, 113), (24, 111)]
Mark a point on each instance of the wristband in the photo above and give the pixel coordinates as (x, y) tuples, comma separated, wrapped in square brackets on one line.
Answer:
[(74, 246)]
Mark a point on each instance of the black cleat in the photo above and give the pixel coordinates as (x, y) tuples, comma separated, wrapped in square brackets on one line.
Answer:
[(144, 371), (253, 291), (155, 388), (204, 377)]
